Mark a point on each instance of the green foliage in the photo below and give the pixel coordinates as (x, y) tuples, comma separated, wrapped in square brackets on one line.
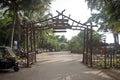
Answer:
[(109, 11), (108, 16), (63, 41), (5, 23), (49, 40), (13, 12), (77, 42)]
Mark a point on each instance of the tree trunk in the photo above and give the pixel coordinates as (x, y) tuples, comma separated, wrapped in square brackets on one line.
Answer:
[(116, 39), (13, 27)]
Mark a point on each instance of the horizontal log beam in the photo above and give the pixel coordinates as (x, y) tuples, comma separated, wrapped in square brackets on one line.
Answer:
[(61, 27), (60, 20), (58, 31)]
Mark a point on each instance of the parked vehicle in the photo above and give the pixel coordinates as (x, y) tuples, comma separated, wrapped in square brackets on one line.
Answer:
[(8, 59)]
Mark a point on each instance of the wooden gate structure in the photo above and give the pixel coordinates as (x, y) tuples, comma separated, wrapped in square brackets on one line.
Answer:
[(58, 23)]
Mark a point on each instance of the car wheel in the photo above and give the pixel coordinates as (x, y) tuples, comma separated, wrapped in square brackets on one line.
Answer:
[(16, 68)]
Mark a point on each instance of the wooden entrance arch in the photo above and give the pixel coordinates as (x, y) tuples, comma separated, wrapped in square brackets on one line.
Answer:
[(58, 23)]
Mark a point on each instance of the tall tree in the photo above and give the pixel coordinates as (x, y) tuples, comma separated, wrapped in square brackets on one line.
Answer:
[(76, 43), (19, 9), (107, 15)]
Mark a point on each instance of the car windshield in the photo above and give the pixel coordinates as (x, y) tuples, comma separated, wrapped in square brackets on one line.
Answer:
[(2, 51), (11, 52), (1, 54)]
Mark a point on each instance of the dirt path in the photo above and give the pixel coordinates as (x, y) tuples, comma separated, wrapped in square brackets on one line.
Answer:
[(56, 66)]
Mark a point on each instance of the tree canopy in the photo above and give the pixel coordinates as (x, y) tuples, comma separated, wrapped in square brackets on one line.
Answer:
[(77, 42), (106, 16), (108, 12), (13, 12)]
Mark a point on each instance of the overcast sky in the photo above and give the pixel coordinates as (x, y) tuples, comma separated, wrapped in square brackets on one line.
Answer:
[(77, 9)]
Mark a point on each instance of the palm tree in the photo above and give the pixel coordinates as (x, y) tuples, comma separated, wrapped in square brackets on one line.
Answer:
[(97, 4), (108, 16), (22, 6), (34, 9), (110, 8)]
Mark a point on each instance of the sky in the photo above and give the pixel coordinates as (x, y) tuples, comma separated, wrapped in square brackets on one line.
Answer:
[(78, 10)]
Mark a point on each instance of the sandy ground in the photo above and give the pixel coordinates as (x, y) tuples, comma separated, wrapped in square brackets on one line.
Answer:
[(56, 66)]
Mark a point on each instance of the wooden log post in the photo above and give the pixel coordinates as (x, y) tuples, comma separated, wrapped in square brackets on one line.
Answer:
[(27, 44), (86, 53), (91, 41), (34, 42), (84, 45), (31, 35)]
